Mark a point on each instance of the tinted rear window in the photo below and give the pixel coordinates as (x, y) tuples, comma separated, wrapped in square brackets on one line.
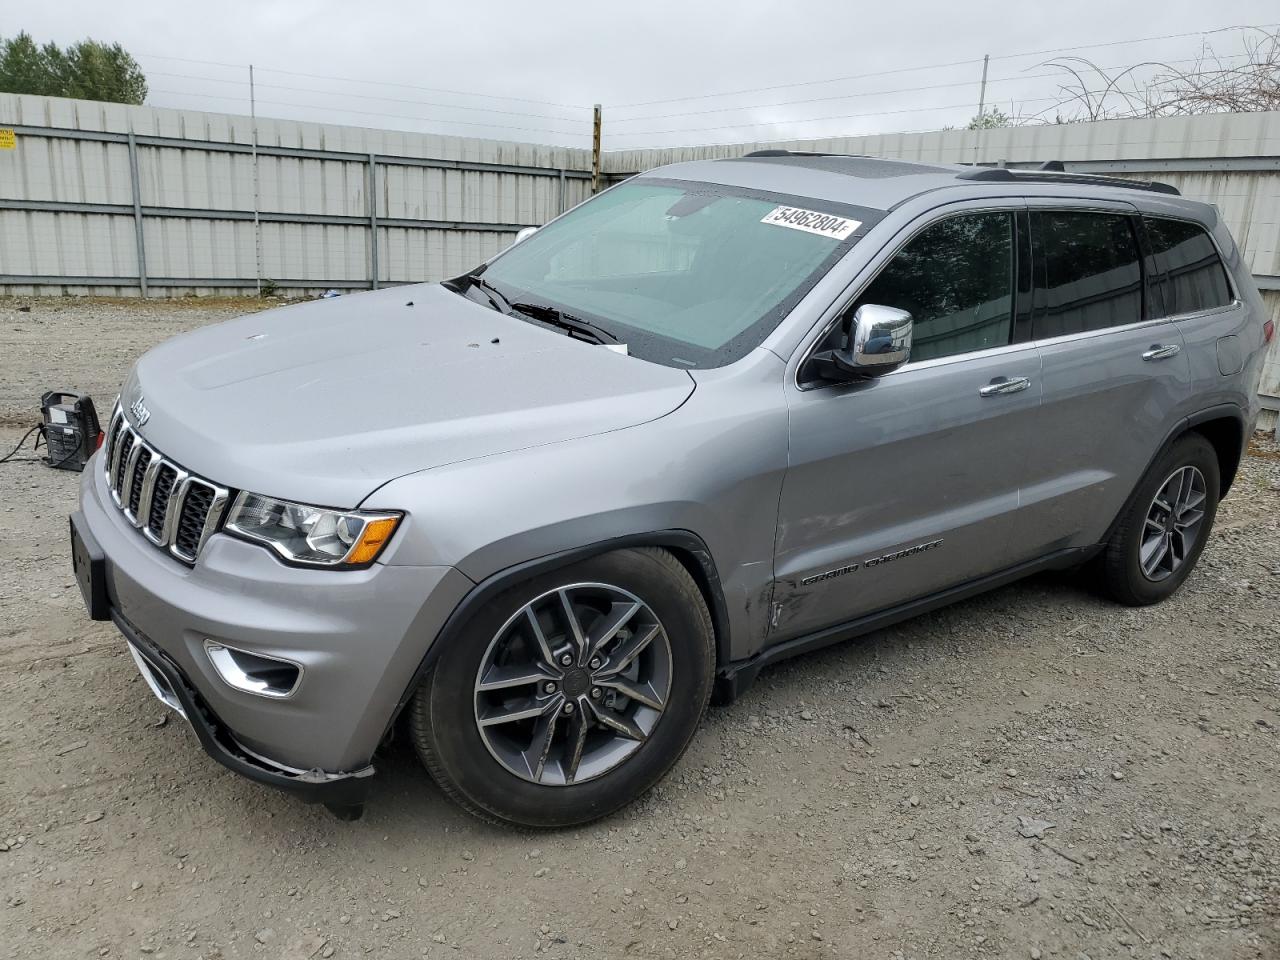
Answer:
[(1195, 278), (1089, 277)]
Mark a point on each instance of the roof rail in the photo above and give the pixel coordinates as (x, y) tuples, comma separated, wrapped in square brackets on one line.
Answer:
[(800, 153), (1051, 175)]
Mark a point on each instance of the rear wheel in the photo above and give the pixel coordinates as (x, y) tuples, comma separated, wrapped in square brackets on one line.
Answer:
[(571, 694), (1165, 526)]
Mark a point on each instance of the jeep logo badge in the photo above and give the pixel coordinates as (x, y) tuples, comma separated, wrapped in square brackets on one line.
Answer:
[(140, 413)]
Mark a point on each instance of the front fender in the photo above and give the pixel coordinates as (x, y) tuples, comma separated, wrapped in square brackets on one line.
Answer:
[(712, 469)]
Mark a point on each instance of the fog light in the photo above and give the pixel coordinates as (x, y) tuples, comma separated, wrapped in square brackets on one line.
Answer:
[(252, 672)]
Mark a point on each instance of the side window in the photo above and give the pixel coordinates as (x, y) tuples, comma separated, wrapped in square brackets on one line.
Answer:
[(1089, 273), (956, 279), (1194, 277)]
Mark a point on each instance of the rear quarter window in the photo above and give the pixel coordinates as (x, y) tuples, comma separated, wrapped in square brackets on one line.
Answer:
[(1193, 276)]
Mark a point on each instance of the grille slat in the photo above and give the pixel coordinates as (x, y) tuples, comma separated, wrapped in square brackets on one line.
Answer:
[(165, 480), (191, 521), (113, 435), (126, 447), (174, 510), (139, 472)]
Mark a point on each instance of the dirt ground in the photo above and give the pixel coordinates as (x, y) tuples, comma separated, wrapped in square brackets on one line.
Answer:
[(1034, 773)]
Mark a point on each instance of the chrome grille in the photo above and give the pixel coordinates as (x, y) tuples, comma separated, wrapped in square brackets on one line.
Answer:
[(176, 510)]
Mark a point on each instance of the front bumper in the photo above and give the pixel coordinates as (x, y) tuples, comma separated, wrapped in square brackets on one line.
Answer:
[(359, 636), (338, 790)]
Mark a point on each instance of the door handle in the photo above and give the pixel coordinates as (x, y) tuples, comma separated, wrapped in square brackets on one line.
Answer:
[(1162, 351), (1002, 385)]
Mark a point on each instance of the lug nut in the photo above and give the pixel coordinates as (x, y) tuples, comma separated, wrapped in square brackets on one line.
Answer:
[(595, 693), (566, 660), (549, 687), (595, 663), (568, 708)]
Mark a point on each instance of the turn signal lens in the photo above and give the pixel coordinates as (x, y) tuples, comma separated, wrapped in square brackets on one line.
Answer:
[(1268, 331), (376, 534)]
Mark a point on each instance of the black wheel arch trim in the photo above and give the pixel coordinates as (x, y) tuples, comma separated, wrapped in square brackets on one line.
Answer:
[(685, 541), (1221, 411)]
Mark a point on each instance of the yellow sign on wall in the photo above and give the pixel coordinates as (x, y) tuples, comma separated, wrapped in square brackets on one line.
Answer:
[(8, 141)]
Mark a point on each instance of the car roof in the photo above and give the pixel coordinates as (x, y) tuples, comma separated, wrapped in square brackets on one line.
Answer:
[(882, 184)]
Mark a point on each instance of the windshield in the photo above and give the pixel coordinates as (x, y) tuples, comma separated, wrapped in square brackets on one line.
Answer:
[(685, 274)]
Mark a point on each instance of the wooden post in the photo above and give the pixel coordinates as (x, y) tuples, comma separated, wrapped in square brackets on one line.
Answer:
[(595, 149)]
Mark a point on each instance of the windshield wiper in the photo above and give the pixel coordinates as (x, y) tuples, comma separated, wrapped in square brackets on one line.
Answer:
[(496, 297), (555, 317)]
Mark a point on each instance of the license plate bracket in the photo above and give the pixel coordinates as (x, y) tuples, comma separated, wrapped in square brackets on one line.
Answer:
[(90, 566)]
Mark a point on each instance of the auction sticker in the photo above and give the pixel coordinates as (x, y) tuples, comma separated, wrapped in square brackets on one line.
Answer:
[(8, 141), (811, 221)]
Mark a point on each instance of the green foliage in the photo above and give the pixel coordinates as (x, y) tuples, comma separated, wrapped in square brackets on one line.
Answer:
[(87, 70), (989, 120)]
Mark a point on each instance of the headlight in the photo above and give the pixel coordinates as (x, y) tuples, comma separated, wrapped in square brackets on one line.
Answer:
[(311, 535)]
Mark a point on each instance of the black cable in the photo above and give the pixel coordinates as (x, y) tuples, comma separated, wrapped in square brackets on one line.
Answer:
[(9, 456), (38, 430)]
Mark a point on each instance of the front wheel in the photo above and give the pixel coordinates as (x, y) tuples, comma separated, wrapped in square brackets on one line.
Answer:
[(1165, 525), (571, 694)]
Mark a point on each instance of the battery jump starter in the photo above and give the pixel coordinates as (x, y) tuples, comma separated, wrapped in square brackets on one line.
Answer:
[(70, 430)]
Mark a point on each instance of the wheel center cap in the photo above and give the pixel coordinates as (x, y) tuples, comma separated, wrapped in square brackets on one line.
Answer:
[(576, 682)]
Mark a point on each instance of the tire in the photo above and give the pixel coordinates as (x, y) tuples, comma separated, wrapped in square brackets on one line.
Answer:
[(1121, 563), (566, 776)]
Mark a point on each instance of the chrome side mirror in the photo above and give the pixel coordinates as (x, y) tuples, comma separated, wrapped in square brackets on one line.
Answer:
[(524, 234), (878, 341)]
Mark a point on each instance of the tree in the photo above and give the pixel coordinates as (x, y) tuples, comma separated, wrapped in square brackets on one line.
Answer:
[(1240, 82), (87, 70), (990, 119)]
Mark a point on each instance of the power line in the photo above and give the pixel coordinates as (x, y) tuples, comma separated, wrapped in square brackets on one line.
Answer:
[(933, 66), (207, 63), (367, 96), (382, 83), (852, 116), (493, 125), (1122, 43), (410, 86), (880, 93)]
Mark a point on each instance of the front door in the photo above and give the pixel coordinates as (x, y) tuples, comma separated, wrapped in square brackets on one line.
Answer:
[(901, 486)]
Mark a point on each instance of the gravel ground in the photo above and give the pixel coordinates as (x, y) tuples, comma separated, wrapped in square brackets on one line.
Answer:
[(1034, 773)]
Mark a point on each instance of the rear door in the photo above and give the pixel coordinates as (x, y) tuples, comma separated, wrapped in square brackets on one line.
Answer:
[(1115, 372), (1198, 297), (901, 486)]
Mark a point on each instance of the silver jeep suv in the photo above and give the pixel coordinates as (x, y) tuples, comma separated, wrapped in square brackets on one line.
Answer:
[(723, 413)]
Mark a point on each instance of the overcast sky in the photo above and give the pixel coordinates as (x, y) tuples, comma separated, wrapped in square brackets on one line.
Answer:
[(476, 68)]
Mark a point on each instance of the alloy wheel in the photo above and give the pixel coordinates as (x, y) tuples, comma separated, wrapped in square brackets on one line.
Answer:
[(573, 684), (1173, 523)]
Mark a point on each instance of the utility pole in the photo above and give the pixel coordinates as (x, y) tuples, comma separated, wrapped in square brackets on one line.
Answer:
[(595, 149), (257, 227), (982, 107), (982, 91)]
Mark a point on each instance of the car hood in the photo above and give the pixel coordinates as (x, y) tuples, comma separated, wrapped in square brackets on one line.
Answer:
[(325, 401)]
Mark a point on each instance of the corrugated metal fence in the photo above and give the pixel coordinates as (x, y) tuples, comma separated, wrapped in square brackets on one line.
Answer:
[(110, 199)]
